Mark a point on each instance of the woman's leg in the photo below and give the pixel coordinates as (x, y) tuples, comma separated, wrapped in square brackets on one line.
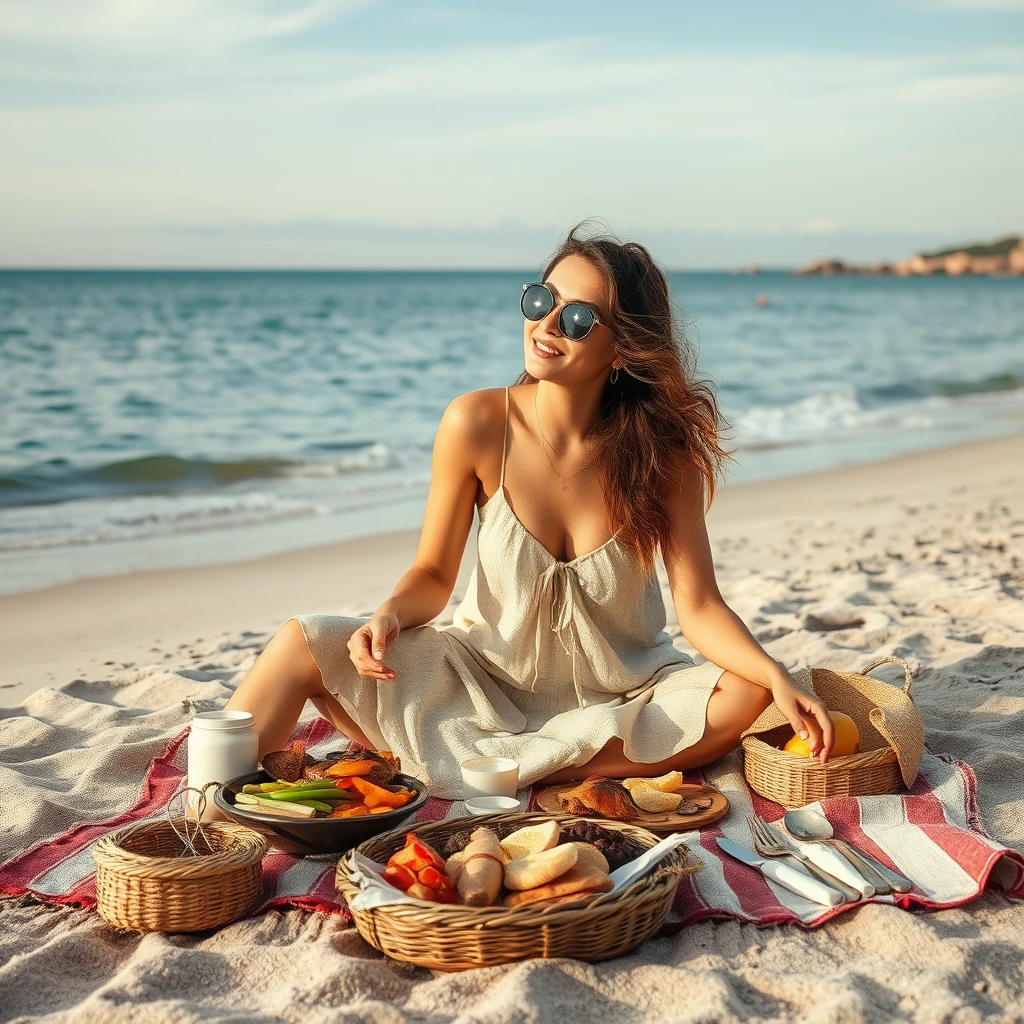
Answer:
[(734, 705), (277, 687)]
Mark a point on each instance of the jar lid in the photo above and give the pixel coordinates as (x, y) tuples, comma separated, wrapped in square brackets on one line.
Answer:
[(222, 720)]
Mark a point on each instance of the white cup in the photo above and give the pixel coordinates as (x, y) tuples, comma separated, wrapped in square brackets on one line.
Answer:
[(489, 776)]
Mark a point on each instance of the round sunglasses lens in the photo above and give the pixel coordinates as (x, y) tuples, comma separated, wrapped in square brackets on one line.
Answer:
[(576, 321), (536, 302)]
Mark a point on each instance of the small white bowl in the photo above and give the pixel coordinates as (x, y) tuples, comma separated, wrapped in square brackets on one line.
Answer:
[(491, 804)]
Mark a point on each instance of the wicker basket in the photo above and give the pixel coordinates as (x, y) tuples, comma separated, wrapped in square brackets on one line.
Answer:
[(891, 741), (455, 938), (146, 880)]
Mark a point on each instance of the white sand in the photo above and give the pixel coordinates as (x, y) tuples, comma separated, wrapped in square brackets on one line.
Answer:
[(920, 556)]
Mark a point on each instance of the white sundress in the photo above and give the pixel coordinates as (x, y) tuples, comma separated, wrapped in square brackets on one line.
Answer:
[(544, 662)]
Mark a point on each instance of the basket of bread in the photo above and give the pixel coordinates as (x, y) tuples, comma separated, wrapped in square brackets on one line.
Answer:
[(490, 889), (879, 740)]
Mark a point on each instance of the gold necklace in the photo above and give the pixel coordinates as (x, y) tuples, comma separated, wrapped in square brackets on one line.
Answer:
[(544, 446)]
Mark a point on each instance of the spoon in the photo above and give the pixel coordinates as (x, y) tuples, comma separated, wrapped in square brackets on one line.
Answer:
[(812, 826)]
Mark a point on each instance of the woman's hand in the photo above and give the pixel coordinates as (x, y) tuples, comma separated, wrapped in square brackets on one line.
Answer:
[(806, 713), (369, 643)]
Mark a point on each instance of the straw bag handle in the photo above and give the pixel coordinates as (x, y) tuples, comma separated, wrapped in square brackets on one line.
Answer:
[(898, 661)]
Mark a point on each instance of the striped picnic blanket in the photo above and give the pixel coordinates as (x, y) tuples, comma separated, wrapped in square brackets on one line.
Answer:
[(933, 835)]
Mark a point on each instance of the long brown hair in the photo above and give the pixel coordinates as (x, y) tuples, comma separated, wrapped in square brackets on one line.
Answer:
[(658, 409)]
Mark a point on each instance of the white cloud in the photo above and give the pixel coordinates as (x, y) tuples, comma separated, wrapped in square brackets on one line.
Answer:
[(202, 27), (820, 226), (978, 6)]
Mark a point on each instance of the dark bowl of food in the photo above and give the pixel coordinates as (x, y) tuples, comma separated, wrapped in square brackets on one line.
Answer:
[(319, 833), (306, 806)]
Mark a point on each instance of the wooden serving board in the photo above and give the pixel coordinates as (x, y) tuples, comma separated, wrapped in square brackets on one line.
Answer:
[(660, 822)]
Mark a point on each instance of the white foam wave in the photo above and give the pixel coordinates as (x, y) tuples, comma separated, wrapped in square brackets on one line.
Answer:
[(115, 519), (839, 413), (374, 457)]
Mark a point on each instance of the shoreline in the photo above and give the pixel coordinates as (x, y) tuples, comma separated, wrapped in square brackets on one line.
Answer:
[(92, 628), (43, 567)]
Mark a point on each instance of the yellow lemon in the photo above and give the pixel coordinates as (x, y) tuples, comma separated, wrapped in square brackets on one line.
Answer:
[(798, 746), (847, 738)]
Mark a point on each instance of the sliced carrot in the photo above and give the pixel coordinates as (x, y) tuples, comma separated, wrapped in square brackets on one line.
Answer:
[(399, 877), (377, 796), (350, 811), (345, 769)]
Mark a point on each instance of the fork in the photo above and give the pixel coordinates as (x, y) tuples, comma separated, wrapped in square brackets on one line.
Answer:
[(769, 842)]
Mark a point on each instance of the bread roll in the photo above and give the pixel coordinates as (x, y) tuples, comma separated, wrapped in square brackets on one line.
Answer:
[(540, 868), (646, 797), (532, 839), (575, 881), (589, 857), (667, 783)]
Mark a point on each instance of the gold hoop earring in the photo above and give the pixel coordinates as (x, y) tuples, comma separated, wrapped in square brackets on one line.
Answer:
[(614, 375)]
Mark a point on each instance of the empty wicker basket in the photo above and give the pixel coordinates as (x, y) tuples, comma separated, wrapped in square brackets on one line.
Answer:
[(891, 741), (146, 880), (455, 937)]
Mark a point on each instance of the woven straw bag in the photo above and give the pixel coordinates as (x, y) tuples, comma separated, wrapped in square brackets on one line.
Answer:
[(891, 741), (145, 881), (456, 938)]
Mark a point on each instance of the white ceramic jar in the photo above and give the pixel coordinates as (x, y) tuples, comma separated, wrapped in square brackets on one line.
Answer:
[(221, 746)]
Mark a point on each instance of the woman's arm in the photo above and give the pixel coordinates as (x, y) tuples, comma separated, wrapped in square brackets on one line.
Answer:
[(423, 592), (714, 629)]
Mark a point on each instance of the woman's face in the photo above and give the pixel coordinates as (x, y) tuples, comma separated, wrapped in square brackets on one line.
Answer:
[(573, 279)]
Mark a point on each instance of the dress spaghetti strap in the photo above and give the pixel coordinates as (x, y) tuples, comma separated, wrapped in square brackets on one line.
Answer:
[(504, 439)]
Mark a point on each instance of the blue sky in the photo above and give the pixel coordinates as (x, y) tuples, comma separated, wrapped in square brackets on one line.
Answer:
[(419, 133)]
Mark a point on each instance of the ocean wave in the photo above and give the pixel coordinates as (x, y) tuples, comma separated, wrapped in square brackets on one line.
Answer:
[(840, 412), (133, 518), (57, 481), (909, 391)]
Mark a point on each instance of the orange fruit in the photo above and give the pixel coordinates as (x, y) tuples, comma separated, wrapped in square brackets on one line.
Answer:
[(847, 738)]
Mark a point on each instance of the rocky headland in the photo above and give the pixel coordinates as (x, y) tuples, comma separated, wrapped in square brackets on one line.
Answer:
[(1002, 258)]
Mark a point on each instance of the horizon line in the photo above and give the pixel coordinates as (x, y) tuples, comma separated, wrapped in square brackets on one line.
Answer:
[(737, 271)]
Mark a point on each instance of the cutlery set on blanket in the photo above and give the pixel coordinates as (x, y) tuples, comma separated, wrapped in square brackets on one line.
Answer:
[(827, 870)]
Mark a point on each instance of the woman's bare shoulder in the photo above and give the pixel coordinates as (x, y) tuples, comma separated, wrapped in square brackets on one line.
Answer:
[(471, 430), (475, 411)]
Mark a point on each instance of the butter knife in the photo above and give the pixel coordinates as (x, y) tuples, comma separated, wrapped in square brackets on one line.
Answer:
[(789, 877)]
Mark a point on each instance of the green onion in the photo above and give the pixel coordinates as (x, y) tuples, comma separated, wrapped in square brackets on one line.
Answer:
[(317, 805), (298, 791), (250, 800)]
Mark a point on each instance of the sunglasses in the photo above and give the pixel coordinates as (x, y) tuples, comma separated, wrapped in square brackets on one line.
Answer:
[(575, 321)]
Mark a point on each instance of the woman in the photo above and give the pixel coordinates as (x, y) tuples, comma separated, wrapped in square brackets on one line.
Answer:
[(557, 655)]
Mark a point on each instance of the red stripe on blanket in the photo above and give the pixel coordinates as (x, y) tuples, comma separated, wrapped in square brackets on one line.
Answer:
[(970, 851), (844, 814), (158, 786), (756, 900)]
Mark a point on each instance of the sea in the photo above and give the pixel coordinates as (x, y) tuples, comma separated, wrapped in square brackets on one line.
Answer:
[(154, 419)]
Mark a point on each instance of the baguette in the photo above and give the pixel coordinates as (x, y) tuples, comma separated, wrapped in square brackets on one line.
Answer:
[(480, 869), (453, 865)]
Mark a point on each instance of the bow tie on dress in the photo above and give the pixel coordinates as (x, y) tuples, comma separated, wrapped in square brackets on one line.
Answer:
[(560, 581)]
